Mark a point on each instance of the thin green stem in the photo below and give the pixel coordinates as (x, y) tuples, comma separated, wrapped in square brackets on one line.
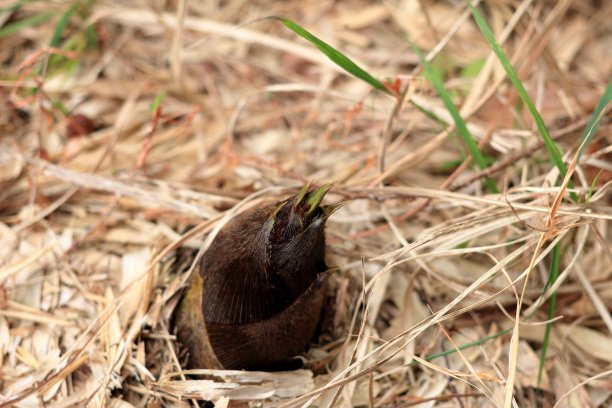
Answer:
[(552, 277)]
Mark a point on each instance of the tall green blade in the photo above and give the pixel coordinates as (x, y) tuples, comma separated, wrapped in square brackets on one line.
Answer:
[(595, 120), (465, 134), (16, 26), (333, 54), (553, 151)]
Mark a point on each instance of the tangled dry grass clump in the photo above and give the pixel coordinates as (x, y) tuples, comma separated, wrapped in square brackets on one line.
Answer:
[(129, 131)]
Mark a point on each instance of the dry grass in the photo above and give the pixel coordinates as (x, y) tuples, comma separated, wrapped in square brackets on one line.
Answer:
[(428, 261)]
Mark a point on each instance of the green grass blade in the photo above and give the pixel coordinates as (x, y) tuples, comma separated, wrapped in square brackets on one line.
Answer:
[(333, 54), (16, 26), (553, 150), (452, 109), (61, 26), (430, 114), (552, 277), (463, 346), (92, 38), (159, 98), (591, 190), (595, 120)]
